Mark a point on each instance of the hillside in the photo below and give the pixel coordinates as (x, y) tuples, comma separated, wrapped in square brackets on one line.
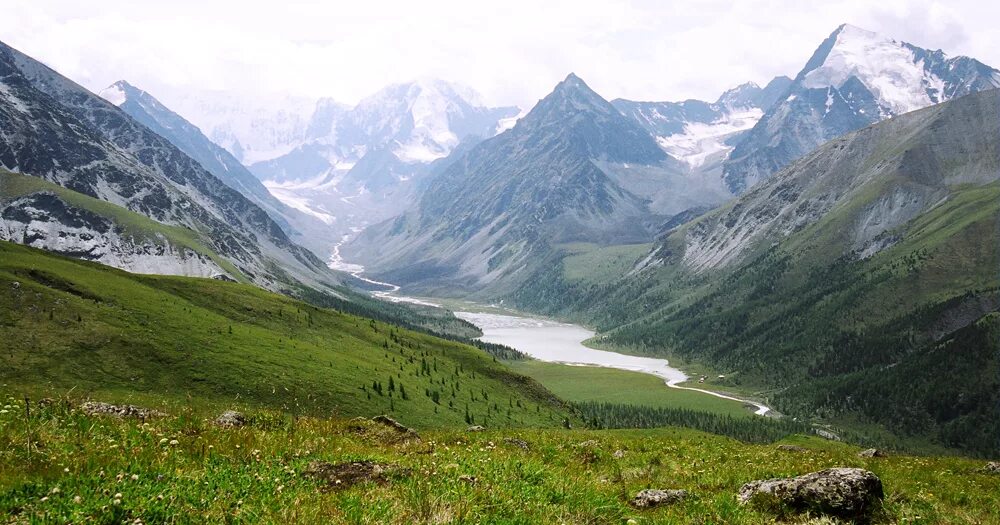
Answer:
[(183, 469), (859, 283), (70, 325)]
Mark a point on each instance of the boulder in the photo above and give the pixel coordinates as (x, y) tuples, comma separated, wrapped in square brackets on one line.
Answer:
[(231, 419), (849, 493), (476, 428), (395, 425), (872, 453), (649, 498)]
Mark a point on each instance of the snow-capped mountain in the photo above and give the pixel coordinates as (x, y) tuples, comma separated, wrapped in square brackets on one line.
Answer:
[(363, 164), (699, 132), (251, 129), (419, 122), (854, 79)]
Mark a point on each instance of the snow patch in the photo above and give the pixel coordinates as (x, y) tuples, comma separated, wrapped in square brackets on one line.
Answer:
[(700, 140), (113, 94)]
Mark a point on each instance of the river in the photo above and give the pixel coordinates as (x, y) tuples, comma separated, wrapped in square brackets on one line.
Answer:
[(563, 343), (543, 339)]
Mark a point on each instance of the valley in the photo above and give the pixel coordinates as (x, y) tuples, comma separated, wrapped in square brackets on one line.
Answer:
[(312, 276)]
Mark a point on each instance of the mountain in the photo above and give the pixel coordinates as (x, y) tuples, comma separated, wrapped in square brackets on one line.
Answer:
[(252, 128), (699, 132), (146, 109), (56, 130), (859, 282), (855, 78), (574, 169), (360, 165)]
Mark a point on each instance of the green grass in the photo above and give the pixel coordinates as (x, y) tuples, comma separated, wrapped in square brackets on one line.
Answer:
[(15, 185), (105, 470), (108, 334), (579, 384), (589, 263)]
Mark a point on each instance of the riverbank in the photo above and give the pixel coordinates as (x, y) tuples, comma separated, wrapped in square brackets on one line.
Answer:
[(562, 344)]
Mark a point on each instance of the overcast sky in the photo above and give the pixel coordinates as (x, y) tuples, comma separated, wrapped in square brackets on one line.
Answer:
[(511, 51)]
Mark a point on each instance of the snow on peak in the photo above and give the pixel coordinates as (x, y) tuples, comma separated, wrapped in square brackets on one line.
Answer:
[(701, 140), (887, 67), (114, 94)]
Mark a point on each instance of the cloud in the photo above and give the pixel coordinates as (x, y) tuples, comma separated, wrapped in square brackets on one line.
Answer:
[(513, 52)]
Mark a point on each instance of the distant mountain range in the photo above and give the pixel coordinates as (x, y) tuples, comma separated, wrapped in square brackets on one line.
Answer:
[(574, 169)]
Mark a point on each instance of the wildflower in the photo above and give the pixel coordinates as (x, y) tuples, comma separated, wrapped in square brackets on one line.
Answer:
[(77, 499), (55, 490), (45, 498), (163, 441), (135, 477), (66, 470), (174, 442)]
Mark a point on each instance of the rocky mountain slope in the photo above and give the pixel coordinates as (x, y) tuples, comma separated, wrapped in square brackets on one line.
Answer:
[(58, 131), (573, 169), (301, 227), (855, 78)]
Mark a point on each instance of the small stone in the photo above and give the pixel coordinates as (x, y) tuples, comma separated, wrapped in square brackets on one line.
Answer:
[(231, 419), (476, 428), (97, 408), (993, 467), (471, 480), (649, 498), (872, 453), (792, 448), (618, 454), (519, 443)]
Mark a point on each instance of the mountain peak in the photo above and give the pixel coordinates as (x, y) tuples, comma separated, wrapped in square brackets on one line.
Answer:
[(117, 93)]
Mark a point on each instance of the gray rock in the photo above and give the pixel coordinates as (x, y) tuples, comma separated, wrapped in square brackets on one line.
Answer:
[(618, 454), (792, 448), (850, 493), (993, 467), (97, 408), (231, 418), (650, 498), (872, 453), (476, 428), (519, 443), (393, 424)]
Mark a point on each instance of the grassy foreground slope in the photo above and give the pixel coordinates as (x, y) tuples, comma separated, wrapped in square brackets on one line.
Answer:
[(183, 469), (68, 324)]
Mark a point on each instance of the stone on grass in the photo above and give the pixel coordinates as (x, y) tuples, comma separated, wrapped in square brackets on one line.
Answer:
[(231, 419), (850, 493), (792, 448), (993, 467), (97, 408), (872, 453), (519, 443), (649, 498), (476, 428)]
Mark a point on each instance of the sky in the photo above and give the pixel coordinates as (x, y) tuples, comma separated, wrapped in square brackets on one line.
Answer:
[(512, 51)]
